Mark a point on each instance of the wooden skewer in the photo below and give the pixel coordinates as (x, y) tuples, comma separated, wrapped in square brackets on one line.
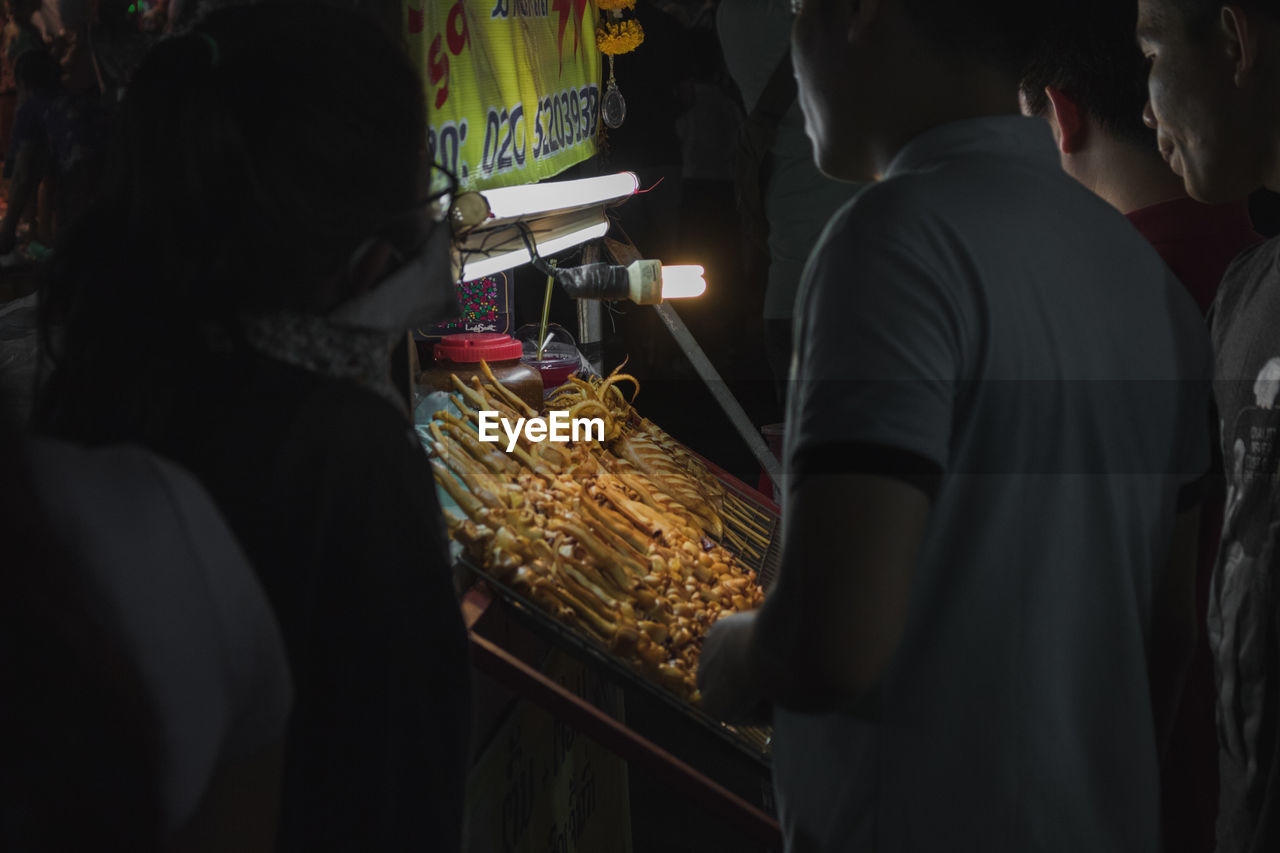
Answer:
[(734, 539), (746, 512), (746, 530), (749, 533)]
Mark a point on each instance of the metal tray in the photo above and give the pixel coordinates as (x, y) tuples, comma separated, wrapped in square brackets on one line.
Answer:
[(751, 521), (753, 741)]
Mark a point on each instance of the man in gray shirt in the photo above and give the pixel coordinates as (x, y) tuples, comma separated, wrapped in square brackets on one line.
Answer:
[(998, 411), (1214, 80)]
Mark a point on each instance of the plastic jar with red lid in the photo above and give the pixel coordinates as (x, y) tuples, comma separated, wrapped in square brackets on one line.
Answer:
[(461, 355)]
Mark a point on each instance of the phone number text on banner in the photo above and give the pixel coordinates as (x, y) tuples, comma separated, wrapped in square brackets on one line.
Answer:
[(512, 86)]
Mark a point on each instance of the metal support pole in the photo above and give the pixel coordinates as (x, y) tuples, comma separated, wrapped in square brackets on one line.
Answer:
[(737, 416), (591, 327)]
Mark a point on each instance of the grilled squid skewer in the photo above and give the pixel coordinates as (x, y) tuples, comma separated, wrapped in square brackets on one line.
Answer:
[(616, 527), (463, 432), (470, 504), (622, 570)]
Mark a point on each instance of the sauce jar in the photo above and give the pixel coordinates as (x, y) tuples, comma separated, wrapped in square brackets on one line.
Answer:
[(461, 355)]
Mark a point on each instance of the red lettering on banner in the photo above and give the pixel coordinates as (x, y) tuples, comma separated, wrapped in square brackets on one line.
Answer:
[(566, 9), (457, 36), (438, 70), (456, 28)]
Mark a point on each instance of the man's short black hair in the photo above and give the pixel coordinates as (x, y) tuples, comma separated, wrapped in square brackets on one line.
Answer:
[(1199, 15), (1093, 57), (1001, 32)]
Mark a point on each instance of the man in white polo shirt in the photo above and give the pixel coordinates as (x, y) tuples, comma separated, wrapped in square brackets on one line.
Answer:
[(998, 415)]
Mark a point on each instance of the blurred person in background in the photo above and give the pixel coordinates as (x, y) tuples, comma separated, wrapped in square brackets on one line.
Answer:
[(1213, 88), (793, 200), (264, 238), (117, 45), (722, 318), (64, 28), (165, 16), (56, 19), (996, 430), (58, 135), (1089, 80), (19, 36)]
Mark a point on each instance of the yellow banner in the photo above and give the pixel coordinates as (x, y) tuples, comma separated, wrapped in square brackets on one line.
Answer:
[(513, 86)]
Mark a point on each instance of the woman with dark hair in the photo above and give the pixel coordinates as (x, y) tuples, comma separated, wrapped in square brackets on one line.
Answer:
[(231, 300)]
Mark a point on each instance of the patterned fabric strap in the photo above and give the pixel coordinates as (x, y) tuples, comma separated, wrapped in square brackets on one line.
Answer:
[(313, 344)]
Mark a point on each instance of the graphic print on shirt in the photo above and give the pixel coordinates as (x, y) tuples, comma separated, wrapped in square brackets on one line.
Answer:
[(1251, 528), (1253, 458)]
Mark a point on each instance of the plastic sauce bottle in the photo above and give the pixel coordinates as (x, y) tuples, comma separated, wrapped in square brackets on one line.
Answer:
[(461, 355)]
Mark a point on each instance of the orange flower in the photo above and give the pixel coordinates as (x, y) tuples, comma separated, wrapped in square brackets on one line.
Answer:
[(618, 38)]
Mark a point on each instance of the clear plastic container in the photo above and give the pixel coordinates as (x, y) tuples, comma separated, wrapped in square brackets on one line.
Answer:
[(560, 357)]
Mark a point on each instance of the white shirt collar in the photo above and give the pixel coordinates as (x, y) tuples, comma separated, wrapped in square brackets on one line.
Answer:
[(1012, 136)]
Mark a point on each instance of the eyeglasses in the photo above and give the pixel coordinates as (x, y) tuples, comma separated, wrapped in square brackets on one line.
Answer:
[(440, 191), (437, 192)]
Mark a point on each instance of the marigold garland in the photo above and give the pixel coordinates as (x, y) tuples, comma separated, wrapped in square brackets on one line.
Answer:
[(618, 38), (617, 32)]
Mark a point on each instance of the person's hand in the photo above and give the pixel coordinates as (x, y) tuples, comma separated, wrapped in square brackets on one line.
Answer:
[(154, 20), (726, 670)]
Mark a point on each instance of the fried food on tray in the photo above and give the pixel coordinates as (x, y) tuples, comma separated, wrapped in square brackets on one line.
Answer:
[(712, 488), (655, 454), (607, 537)]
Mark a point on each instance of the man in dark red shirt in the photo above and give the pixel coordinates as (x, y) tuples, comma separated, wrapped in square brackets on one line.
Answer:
[(1090, 81), (1196, 240)]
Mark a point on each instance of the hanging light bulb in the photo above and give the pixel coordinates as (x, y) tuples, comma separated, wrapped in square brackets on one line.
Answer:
[(683, 282), (644, 282)]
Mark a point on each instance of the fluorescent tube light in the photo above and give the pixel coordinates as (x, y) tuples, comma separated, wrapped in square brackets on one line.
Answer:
[(479, 265), (530, 200)]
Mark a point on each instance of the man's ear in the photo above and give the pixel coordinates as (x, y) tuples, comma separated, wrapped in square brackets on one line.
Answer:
[(1239, 28), (1068, 115)]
